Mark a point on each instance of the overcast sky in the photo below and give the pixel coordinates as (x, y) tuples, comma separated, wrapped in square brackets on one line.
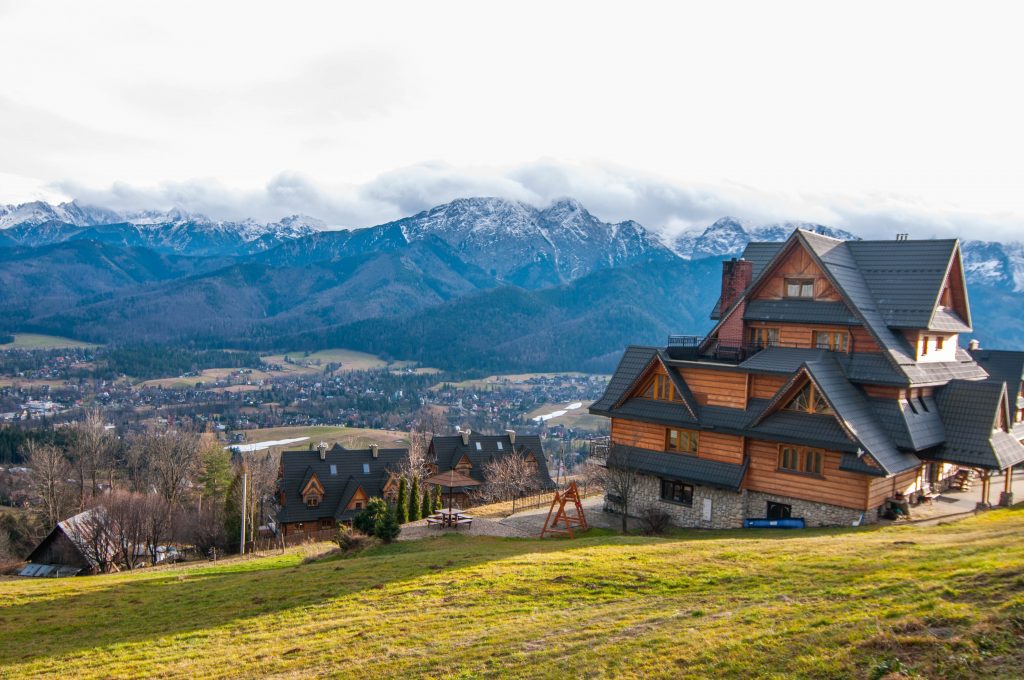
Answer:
[(879, 117)]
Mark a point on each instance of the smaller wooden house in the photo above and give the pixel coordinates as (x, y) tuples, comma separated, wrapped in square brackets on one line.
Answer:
[(65, 551), (318, 489), (468, 452)]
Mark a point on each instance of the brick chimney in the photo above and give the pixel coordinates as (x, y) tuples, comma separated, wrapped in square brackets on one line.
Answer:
[(736, 276), (465, 436)]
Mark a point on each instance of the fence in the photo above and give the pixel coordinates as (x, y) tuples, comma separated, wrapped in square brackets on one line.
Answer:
[(281, 542), (542, 499)]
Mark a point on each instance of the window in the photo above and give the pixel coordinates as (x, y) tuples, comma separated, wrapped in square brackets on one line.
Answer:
[(800, 288), (763, 337), (334, 469), (313, 500), (500, 448), (661, 388), (479, 446), (939, 341), (358, 505), (800, 459), (835, 341), (812, 462), (809, 400), (779, 510), (676, 492), (681, 441), (924, 345), (366, 468)]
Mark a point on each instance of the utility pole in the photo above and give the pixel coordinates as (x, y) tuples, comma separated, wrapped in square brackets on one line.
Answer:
[(245, 489)]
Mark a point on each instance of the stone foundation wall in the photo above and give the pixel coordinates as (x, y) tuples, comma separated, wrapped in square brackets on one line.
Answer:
[(814, 514), (729, 508)]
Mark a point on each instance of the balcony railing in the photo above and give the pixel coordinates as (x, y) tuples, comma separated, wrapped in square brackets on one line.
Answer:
[(687, 347)]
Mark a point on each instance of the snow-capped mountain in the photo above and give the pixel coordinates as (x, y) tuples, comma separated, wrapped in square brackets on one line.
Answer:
[(525, 245), (995, 264), (729, 236), (176, 230)]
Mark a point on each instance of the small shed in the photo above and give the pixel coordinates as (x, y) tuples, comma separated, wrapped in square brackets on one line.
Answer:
[(63, 552)]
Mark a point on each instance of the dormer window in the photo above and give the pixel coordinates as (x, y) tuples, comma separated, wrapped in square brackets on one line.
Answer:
[(809, 400), (660, 388), (313, 500), (800, 288), (835, 341)]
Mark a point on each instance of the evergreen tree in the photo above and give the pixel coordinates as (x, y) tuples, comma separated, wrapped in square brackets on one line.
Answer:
[(414, 500), (402, 505), (388, 527), (215, 477), (233, 513), (366, 521), (437, 505), (426, 509)]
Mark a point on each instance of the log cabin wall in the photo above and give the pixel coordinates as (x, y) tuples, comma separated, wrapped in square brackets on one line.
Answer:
[(716, 388), (802, 335), (797, 265), (834, 486), (640, 435), (765, 386), (882, 488), (726, 448)]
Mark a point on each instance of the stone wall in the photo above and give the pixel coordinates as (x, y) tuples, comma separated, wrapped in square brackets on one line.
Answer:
[(814, 514), (730, 508), (726, 506)]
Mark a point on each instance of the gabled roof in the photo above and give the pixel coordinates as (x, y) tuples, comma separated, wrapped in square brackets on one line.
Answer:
[(910, 429), (632, 366), (800, 311), (853, 413), (867, 275), (449, 450), (970, 411), (298, 467), (1002, 366)]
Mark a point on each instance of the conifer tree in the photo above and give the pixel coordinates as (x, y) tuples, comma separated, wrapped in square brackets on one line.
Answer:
[(414, 500), (428, 504), (402, 509), (437, 499)]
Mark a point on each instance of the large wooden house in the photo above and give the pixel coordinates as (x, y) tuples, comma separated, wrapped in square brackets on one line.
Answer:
[(833, 382), (318, 489)]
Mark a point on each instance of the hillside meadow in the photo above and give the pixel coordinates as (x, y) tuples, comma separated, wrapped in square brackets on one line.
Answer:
[(943, 601)]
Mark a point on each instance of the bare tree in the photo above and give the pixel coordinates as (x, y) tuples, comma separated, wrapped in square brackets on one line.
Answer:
[(621, 480), (158, 524), (128, 514), (93, 532), (510, 477), (173, 458), (50, 472), (92, 450)]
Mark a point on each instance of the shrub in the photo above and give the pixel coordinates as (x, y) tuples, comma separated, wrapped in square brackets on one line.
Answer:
[(655, 521), (350, 540), (388, 527), (366, 521)]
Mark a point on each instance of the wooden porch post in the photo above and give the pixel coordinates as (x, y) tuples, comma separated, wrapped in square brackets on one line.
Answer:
[(1006, 498)]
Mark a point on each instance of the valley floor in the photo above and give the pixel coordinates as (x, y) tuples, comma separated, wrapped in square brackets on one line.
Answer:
[(945, 601)]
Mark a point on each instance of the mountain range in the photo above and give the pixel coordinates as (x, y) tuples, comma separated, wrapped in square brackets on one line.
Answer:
[(480, 283)]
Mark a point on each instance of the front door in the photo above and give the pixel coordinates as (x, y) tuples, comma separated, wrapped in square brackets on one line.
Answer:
[(779, 510)]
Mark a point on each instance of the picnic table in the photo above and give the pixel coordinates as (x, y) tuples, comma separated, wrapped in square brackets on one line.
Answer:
[(450, 518)]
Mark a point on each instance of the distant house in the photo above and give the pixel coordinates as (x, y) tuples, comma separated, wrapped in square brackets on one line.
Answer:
[(65, 551), (318, 489), (468, 453), (832, 387)]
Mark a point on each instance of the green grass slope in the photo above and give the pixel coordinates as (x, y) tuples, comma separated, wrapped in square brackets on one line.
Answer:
[(937, 602)]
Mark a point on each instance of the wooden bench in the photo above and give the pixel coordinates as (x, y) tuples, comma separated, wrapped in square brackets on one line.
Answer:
[(467, 521), (435, 521)]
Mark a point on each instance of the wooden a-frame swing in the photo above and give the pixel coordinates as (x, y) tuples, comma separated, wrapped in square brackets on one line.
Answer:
[(562, 523)]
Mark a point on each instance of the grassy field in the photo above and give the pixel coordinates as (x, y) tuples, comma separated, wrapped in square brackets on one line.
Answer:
[(34, 341), (933, 602), (512, 380), (577, 418), (349, 437), (350, 361)]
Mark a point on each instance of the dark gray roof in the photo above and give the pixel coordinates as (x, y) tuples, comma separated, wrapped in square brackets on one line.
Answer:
[(905, 277), (800, 311), (941, 372), (782, 360), (760, 254), (913, 429), (1002, 366), (447, 451), (969, 411), (297, 467), (685, 468), (949, 321), (633, 363)]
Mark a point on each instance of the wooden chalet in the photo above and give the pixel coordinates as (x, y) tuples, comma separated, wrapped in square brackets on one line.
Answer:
[(468, 453), (833, 382), (318, 489)]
